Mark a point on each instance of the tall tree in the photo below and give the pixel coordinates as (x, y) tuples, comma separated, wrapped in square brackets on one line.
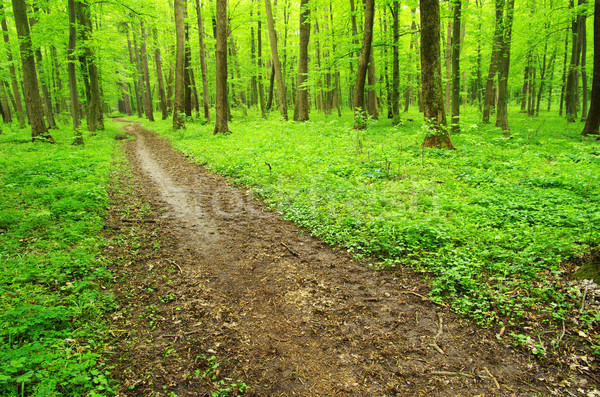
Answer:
[(493, 69), (593, 119), (259, 64), (431, 76), (301, 109), (360, 116), (179, 98), (584, 86), (504, 68), (276, 62), (75, 109), (13, 74), (222, 102), (33, 101), (94, 114), (573, 71), (396, 64), (144, 57), (203, 68), (456, 33), (159, 77)]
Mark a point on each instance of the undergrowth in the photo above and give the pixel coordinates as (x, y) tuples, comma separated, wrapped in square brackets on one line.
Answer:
[(494, 225), (52, 203)]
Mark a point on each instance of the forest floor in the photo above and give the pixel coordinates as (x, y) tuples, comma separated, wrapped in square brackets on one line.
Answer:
[(217, 295)]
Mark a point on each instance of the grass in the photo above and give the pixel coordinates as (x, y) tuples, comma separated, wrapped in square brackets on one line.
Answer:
[(52, 203), (494, 225)]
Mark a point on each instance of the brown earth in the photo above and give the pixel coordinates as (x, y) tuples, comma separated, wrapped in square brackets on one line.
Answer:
[(214, 292)]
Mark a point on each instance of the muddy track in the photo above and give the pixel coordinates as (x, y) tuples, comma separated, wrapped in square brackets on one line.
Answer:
[(284, 312)]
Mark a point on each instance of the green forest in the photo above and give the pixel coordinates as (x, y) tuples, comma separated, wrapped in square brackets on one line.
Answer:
[(172, 171)]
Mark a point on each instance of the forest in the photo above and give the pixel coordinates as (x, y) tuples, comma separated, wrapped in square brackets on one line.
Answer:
[(299, 197)]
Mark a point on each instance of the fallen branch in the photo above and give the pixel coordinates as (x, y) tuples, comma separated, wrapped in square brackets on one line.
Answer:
[(438, 335), (492, 376), (423, 298), (290, 250)]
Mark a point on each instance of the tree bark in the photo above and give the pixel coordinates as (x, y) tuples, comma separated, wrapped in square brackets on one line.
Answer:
[(222, 102), (261, 94), (179, 97), (94, 110), (203, 68), (148, 110), (584, 85), (573, 71), (162, 95), (74, 95), (456, 33), (276, 62), (33, 101), (13, 74), (593, 119), (431, 77), (360, 116), (503, 69), (301, 109), (564, 75)]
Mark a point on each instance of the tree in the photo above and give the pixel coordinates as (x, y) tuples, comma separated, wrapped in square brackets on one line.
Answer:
[(301, 109), (179, 98), (33, 101), (159, 76), (573, 71), (360, 116), (503, 68), (222, 102), (147, 92), (493, 69), (75, 108), (456, 32), (13, 74), (431, 77), (276, 62), (203, 67), (593, 120)]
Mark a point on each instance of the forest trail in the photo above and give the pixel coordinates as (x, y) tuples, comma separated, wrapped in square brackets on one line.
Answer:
[(216, 275)]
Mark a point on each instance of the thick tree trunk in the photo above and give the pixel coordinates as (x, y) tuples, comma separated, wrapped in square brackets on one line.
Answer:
[(301, 109), (360, 116), (593, 119), (504, 68), (203, 68), (33, 101), (179, 97), (431, 77), (148, 110), (276, 62), (456, 33), (74, 95), (94, 114), (490, 92), (222, 102), (18, 105), (573, 72)]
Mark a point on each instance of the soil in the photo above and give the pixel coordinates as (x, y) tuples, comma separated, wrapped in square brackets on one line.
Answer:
[(215, 293)]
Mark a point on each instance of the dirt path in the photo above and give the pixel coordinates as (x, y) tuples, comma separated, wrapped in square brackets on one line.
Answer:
[(215, 274)]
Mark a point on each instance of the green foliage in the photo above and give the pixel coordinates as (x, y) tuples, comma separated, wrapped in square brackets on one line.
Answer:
[(491, 223), (52, 201)]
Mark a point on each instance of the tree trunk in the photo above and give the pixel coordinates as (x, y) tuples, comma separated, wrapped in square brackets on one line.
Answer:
[(503, 69), (74, 95), (203, 68), (13, 74), (360, 116), (138, 97), (33, 101), (573, 72), (488, 99), (261, 94), (179, 97), (448, 56), (431, 77), (222, 102), (456, 33), (301, 109), (584, 85), (159, 77), (372, 89), (148, 102), (94, 116), (593, 119), (276, 62), (564, 75)]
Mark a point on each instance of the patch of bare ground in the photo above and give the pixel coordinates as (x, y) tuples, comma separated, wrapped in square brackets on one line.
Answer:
[(214, 292)]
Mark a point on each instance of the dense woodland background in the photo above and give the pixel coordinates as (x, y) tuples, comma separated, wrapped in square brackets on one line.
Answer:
[(535, 55)]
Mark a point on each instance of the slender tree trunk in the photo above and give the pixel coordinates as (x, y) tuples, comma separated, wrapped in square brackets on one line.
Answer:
[(564, 75), (301, 109), (74, 95), (584, 85), (355, 45), (448, 56), (222, 102), (431, 77), (543, 76), (551, 77), (18, 105), (179, 97), (593, 120), (525, 87), (33, 101), (261, 93), (271, 88), (276, 62), (573, 72), (203, 68), (504, 68), (372, 89), (493, 70), (360, 116), (162, 95), (148, 110), (456, 33), (396, 68), (94, 116), (136, 88)]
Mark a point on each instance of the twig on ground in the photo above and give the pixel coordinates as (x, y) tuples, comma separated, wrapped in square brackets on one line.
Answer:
[(423, 298), (290, 250), (449, 373), (583, 300), (438, 335), (492, 376)]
